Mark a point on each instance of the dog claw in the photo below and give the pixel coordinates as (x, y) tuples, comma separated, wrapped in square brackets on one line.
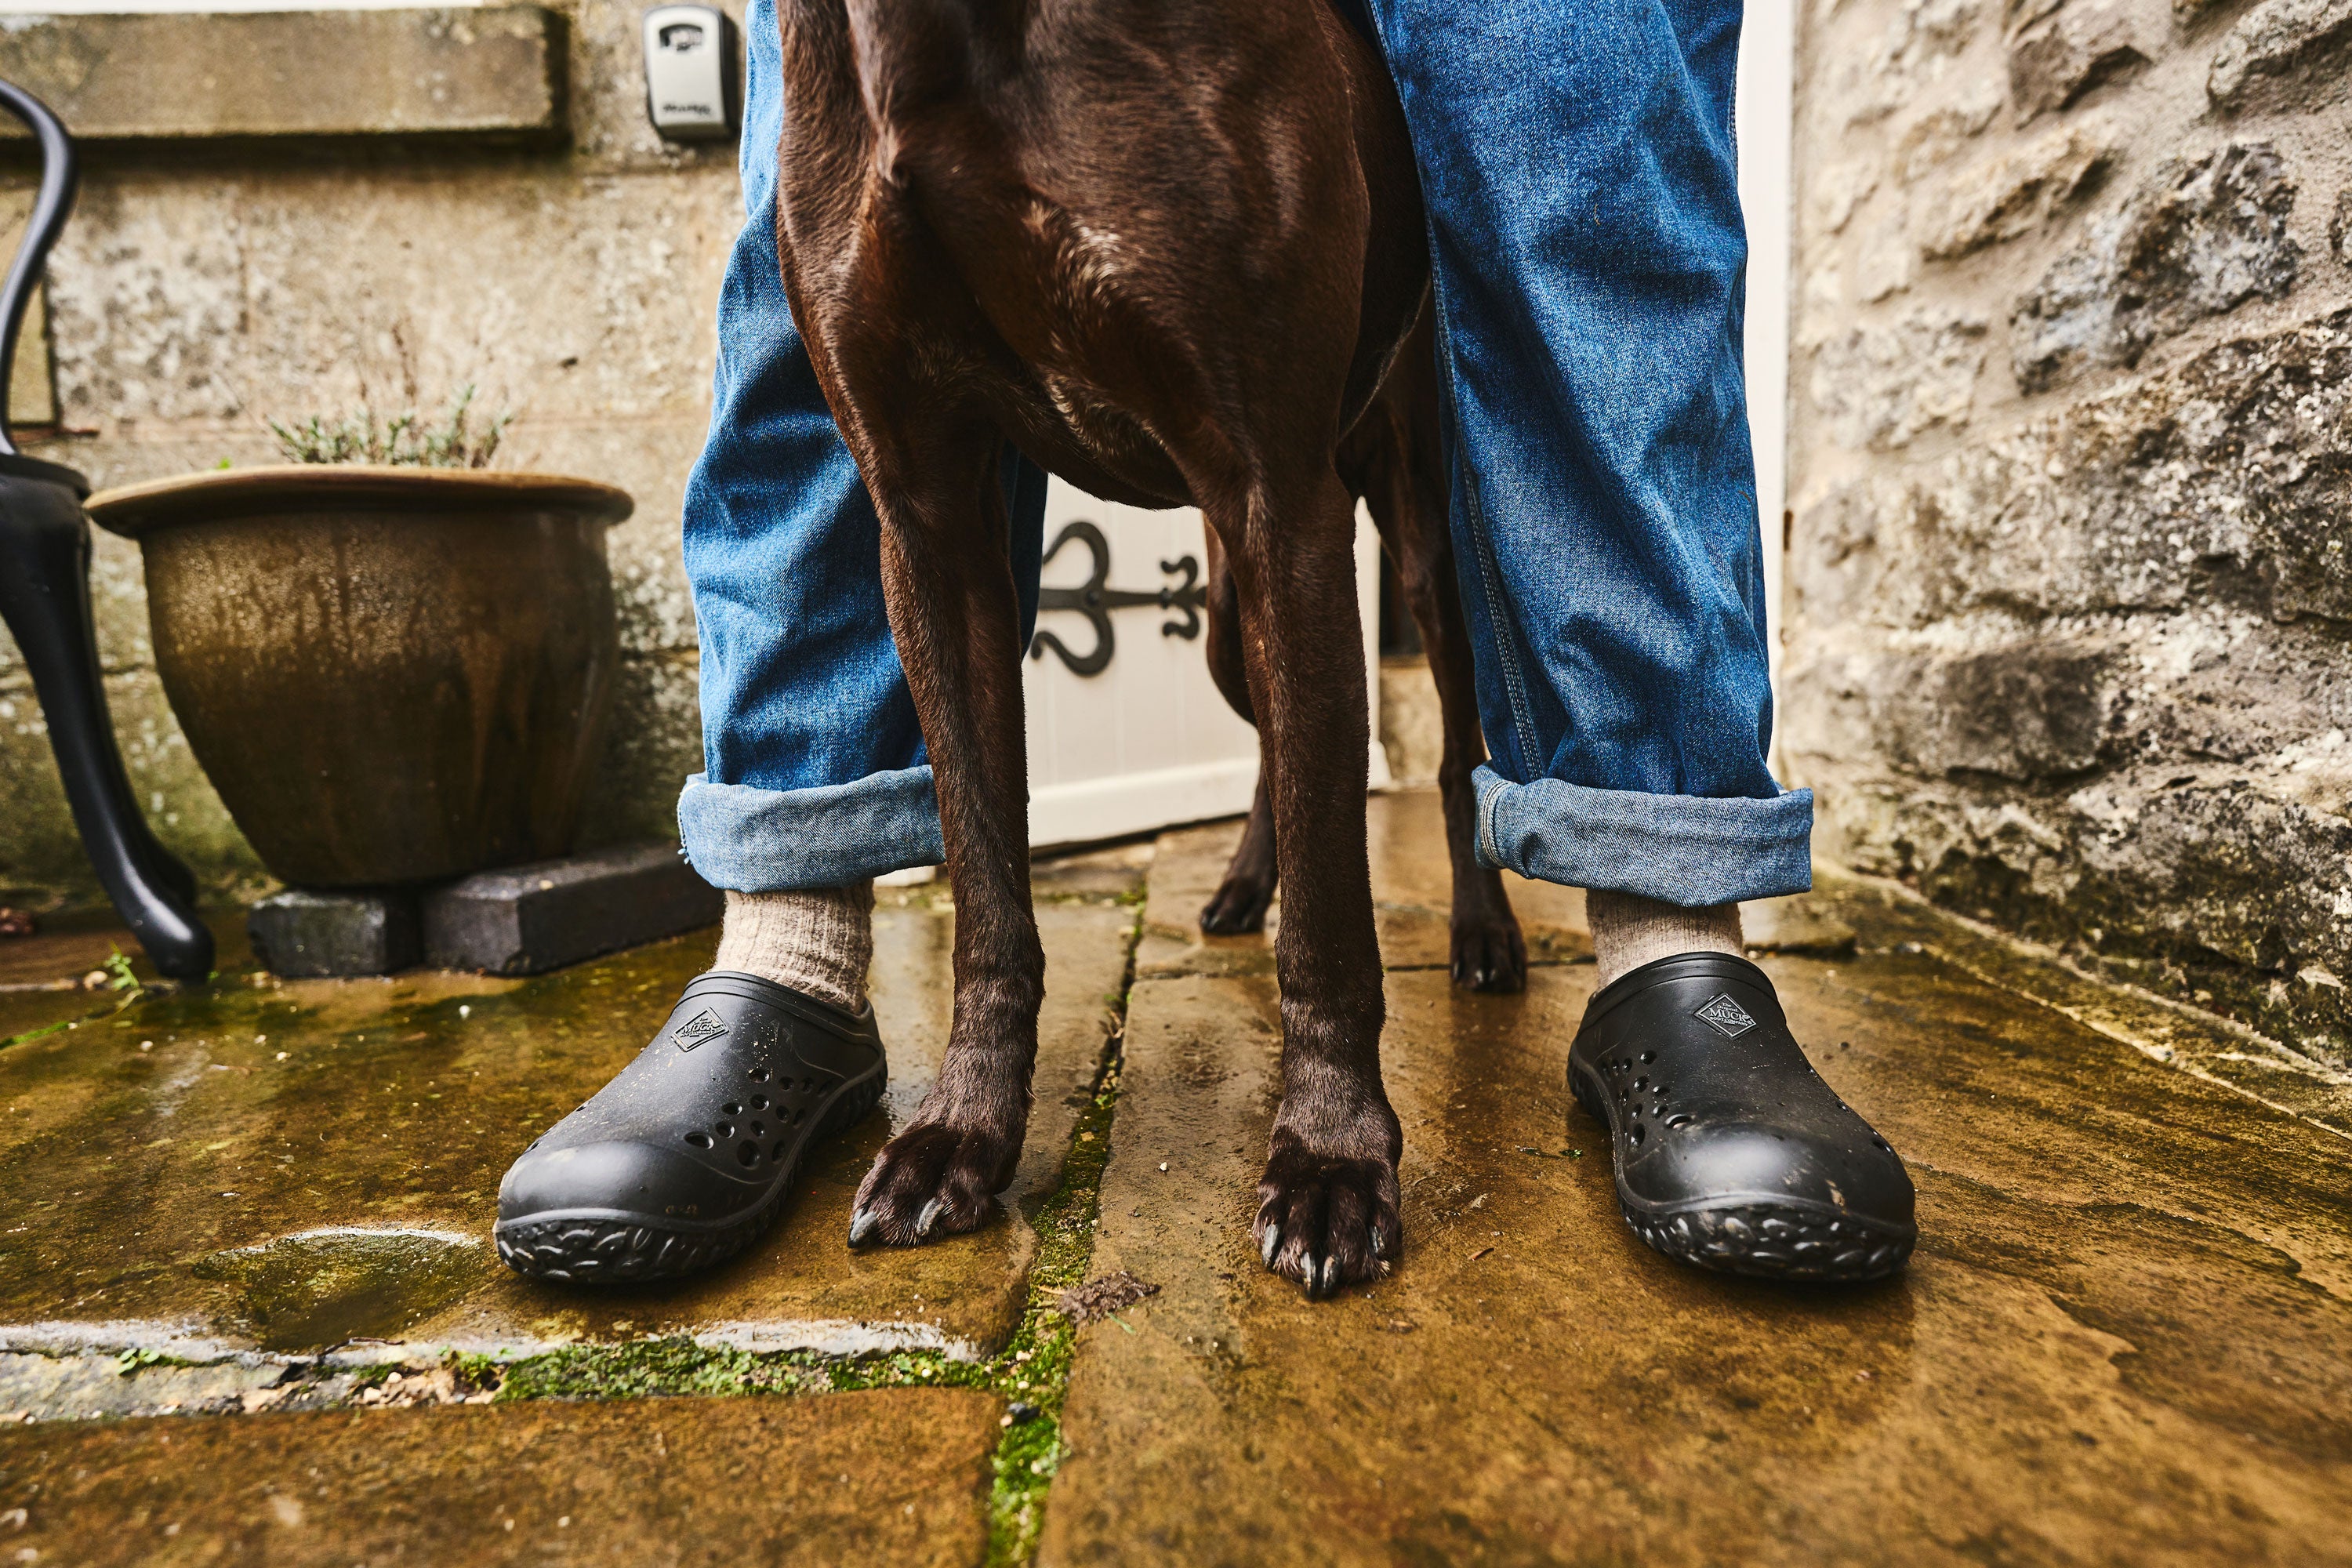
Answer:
[(1379, 1243), (923, 1221), (1273, 1245), (1330, 1281), (862, 1225), (1309, 1267)]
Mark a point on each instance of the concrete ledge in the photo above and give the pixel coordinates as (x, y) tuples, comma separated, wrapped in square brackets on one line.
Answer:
[(526, 919), (493, 71), (310, 936)]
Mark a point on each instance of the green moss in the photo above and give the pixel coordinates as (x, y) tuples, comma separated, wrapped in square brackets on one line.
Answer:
[(1034, 1367), (646, 1368), (44, 1032)]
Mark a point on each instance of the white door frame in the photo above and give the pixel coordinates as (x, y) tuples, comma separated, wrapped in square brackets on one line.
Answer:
[(1764, 118)]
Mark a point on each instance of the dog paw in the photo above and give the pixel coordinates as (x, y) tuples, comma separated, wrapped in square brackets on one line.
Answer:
[(1327, 1220), (1239, 907), (934, 1179), (1490, 954)]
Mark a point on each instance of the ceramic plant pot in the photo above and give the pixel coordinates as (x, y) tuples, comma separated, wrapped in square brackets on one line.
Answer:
[(391, 674)]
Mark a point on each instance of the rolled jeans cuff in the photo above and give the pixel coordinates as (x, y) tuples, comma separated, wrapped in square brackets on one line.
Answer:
[(1683, 849), (753, 841)]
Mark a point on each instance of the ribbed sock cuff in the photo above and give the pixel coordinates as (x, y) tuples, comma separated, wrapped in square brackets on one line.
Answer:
[(819, 943), (1630, 931)]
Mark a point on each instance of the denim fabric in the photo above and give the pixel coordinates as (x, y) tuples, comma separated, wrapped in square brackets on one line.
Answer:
[(1590, 270), (1687, 850), (814, 771), (1585, 225)]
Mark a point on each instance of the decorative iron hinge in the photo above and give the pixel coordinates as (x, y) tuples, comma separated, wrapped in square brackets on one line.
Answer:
[(1096, 602)]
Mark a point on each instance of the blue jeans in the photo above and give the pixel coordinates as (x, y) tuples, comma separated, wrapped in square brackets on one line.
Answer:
[(1590, 262)]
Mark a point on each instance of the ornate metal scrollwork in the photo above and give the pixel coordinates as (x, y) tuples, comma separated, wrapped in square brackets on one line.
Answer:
[(1096, 602)]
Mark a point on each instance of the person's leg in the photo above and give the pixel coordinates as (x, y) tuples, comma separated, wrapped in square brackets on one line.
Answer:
[(1590, 262), (814, 769), (1590, 265), (814, 781)]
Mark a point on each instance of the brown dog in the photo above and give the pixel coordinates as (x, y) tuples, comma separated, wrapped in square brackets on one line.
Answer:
[(1169, 252), (1391, 462)]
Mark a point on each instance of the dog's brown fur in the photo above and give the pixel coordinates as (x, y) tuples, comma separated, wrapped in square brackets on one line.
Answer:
[(1390, 459), (1169, 252)]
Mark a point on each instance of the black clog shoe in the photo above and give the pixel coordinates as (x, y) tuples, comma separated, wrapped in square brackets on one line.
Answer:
[(1731, 1152), (684, 1158)]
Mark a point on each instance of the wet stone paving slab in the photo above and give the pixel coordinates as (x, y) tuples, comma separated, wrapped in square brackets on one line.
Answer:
[(2127, 1337), (264, 1172), (246, 1228), (716, 1483)]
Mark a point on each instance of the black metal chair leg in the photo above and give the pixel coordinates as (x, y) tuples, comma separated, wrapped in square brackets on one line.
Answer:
[(45, 599)]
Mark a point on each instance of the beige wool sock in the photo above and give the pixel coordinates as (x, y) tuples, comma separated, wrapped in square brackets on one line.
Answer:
[(1630, 931), (819, 943)]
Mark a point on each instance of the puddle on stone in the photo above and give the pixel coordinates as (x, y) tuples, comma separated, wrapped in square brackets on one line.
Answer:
[(317, 1289)]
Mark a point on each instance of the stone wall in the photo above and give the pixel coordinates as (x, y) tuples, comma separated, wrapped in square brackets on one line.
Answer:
[(204, 286), (2071, 479)]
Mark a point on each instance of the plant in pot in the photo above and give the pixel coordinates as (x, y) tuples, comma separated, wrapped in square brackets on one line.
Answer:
[(394, 663)]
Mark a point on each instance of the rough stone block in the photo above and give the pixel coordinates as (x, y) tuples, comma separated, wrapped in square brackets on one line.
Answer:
[(1938, 136), (2340, 227), (2198, 239), (2013, 195), (2282, 53), (529, 919), (2209, 885), (2085, 45), (305, 935), (1835, 191), (1883, 386), (2036, 709), (1923, 41), (2223, 476), (492, 70)]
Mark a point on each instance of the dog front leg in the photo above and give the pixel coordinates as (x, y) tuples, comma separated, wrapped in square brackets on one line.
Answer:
[(955, 616), (1327, 1202)]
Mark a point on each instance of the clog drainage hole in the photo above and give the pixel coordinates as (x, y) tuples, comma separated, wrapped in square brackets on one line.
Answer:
[(699, 1138)]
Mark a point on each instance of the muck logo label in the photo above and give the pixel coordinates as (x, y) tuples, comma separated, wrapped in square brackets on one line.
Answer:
[(1725, 1015), (699, 1030)]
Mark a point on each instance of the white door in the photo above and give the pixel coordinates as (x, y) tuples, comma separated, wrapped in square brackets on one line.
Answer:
[(1131, 734)]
